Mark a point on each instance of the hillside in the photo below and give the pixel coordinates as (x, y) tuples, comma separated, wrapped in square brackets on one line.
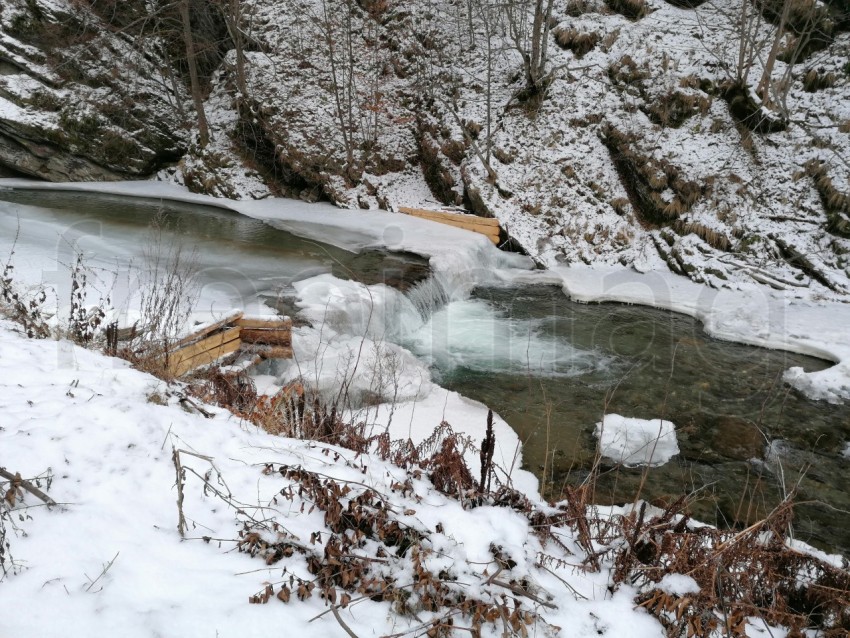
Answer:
[(645, 136)]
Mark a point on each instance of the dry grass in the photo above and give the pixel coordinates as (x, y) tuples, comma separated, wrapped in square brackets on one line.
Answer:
[(631, 9), (674, 108), (817, 79), (576, 8), (626, 72), (712, 237), (835, 202), (646, 178), (580, 43)]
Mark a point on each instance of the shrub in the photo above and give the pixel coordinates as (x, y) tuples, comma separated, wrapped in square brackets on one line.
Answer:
[(580, 43), (631, 9), (25, 309)]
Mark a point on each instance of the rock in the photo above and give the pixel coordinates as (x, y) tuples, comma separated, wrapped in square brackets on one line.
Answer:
[(78, 102), (44, 160), (738, 439)]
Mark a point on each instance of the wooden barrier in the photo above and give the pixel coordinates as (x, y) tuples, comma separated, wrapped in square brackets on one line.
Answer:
[(270, 338), (486, 226), (204, 352), (210, 328)]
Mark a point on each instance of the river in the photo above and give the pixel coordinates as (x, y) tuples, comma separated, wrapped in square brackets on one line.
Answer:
[(549, 366)]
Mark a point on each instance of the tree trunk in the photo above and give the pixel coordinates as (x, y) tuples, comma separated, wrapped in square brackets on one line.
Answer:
[(233, 20), (197, 98), (763, 89)]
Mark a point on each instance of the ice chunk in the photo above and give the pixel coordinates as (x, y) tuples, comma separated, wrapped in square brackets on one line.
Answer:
[(633, 441)]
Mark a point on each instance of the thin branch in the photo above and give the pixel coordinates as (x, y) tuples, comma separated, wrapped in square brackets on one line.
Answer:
[(103, 572)]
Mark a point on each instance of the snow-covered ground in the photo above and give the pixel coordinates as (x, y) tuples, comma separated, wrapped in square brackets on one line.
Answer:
[(100, 435)]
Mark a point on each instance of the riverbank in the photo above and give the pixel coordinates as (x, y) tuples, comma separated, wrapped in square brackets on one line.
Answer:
[(125, 462), (747, 313)]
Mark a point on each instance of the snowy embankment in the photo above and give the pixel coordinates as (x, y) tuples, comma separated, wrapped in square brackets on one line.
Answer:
[(109, 560), (749, 313)]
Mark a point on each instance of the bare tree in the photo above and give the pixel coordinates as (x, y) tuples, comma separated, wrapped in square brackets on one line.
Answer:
[(531, 39), (236, 19), (760, 44), (337, 33), (195, 83)]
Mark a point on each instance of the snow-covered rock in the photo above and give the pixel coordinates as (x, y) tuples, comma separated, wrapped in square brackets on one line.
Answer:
[(633, 441)]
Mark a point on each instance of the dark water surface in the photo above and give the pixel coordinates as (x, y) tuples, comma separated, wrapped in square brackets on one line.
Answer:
[(742, 432)]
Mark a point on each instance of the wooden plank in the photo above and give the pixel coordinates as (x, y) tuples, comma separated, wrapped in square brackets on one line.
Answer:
[(277, 352), (271, 323), (476, 229), (205, 358), (436, 214), (268, 337), (491, 232), (466, 221), (494, 237), (209, 343), (209, 328)]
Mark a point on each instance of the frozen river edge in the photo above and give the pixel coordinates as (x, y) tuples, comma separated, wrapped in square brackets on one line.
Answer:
[(752, 314)]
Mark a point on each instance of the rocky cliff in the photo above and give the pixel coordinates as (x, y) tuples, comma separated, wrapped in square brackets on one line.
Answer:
[(709, 138)]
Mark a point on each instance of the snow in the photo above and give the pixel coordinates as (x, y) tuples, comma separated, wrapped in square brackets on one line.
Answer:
[(93, 426), (632, 441), (678, 585)]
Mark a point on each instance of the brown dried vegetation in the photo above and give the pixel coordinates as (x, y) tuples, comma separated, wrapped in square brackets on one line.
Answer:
[(580, 43), (818, 79), (835, 203), (740, 574), (646, 178), (631, 9), (674, 108)]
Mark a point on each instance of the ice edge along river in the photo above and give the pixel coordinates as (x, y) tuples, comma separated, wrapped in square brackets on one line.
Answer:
[(751, 314)]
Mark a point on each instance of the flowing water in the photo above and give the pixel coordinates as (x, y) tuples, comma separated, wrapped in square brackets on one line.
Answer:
[(550, 367)]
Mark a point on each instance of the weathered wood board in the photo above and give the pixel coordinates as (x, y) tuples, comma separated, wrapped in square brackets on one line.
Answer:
[(233, 317), (261, 323), (267, 337), (273, 337), (205, 358), (486, 226)]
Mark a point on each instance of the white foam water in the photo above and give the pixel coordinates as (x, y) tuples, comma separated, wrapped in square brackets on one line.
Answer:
[(443, 326)]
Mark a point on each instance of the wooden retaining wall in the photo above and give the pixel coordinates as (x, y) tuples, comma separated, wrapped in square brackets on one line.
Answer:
[(487, 226), (270, 338)]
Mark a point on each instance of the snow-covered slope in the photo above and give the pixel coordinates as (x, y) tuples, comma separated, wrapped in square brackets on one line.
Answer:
[(109, 559), (632, 156), (648, 146)]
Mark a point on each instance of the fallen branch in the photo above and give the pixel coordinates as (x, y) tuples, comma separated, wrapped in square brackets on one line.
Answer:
[(18, 482), (207, 414), (342, 623), (181, 519)]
